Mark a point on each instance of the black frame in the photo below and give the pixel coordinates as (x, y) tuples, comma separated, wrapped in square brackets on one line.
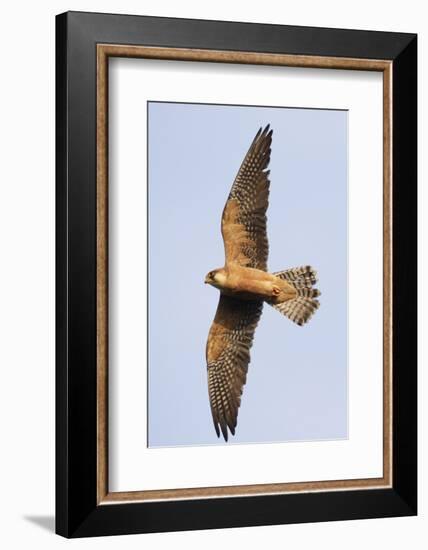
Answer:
[(77, 513)]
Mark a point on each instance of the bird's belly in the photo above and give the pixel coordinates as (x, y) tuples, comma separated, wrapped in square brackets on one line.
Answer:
[(249, 289)]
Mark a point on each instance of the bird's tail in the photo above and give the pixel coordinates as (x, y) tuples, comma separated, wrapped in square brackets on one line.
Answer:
[(301, 308)]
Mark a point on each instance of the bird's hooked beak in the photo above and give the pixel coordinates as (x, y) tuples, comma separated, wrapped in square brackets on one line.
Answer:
[(209, 278)]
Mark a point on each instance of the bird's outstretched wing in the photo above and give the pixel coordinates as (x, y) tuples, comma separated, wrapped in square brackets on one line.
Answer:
[(228, 354), (243, 223)]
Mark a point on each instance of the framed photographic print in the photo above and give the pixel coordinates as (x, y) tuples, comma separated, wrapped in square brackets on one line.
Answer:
[(236, 274)]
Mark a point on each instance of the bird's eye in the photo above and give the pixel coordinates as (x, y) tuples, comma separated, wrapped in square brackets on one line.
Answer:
[(211, 275)]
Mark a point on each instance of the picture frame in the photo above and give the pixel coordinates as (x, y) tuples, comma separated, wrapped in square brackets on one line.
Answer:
[(84, 44)]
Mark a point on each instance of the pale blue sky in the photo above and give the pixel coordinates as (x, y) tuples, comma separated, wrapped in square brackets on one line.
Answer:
[(297, 379)]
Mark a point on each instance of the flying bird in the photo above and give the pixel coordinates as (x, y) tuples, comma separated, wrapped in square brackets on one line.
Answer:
[(245, 284)]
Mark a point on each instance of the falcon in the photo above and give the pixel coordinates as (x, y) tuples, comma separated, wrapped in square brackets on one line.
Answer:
[(245, 285)]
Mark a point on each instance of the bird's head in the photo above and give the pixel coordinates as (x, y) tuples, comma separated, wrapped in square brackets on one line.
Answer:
[(216, 277)]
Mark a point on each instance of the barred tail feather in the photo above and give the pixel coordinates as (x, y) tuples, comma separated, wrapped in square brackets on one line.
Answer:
[(305, 276), (300, 309)]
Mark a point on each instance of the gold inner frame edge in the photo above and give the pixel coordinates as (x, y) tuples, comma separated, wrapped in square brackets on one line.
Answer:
[(104, 51)]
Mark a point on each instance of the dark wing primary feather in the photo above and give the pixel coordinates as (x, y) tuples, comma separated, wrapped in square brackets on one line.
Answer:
[(243, 223), (228, 354)]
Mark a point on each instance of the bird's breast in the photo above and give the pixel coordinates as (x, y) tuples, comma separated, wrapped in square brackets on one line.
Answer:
[(248, 284)]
